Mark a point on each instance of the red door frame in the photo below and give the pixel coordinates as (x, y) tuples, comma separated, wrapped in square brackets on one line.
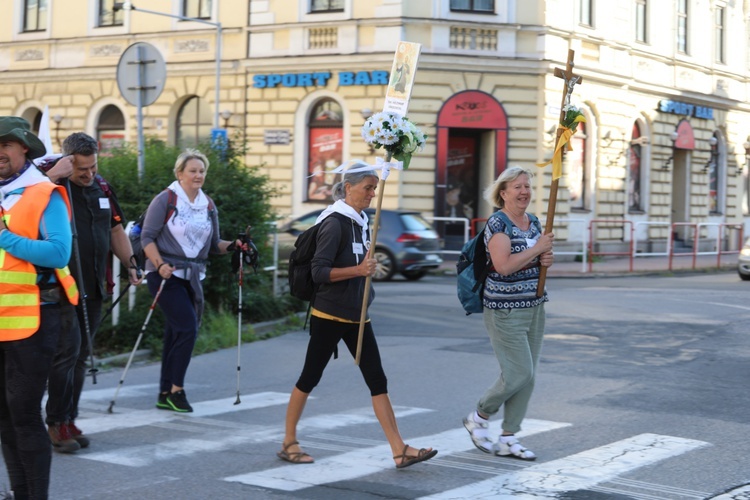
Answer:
[(469, 109)]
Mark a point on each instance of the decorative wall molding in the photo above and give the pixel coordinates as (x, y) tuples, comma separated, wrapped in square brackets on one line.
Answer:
[(107, 50), (182, 46), (30, 55)]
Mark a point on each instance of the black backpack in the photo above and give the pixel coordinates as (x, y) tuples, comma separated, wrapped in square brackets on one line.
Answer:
[(301, 283), (135, 230)]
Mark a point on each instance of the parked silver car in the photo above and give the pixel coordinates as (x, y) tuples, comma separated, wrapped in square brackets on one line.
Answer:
[(743, 263), (406, 244)]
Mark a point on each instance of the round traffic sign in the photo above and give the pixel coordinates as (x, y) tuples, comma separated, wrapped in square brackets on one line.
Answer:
[(141, 70)]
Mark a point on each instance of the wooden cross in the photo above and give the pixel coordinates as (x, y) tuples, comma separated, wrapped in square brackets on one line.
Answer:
[(570, 80)]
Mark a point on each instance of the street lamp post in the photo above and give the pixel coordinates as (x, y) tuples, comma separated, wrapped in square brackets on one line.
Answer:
[(129, 6)]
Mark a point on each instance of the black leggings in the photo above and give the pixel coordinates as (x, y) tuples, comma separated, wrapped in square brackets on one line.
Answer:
[(325, 335)]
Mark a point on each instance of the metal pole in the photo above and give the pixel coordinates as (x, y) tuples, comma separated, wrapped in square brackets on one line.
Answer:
[(80, 283), (139, 114), (218, 74)]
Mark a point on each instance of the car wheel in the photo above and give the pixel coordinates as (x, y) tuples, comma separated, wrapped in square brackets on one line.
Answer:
[(744, 277), (413, 275), (386, 265)]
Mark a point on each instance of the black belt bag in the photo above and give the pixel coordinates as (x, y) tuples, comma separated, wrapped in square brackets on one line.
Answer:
[(50, 295)]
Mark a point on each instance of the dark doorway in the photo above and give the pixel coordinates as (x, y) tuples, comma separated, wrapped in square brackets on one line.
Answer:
[(462, 190)]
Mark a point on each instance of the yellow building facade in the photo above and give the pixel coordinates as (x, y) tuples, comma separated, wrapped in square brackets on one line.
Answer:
[(665, 91)]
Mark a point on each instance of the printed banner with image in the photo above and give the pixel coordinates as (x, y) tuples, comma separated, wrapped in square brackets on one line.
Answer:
[(402, 77)]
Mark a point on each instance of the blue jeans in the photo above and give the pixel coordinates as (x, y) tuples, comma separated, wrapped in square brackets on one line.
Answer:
[(24, 366), (180, 330), (516, 336)]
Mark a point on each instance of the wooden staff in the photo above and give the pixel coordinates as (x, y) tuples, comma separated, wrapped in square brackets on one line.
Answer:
[(570, 79), (373, 242)]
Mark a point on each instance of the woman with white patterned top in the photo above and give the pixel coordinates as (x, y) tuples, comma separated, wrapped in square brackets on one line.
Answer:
[(513, 314)]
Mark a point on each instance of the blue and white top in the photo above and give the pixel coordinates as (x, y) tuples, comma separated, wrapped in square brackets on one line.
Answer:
[(517, 290)]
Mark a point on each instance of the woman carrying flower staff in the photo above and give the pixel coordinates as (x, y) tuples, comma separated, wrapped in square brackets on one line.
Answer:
[(341, 264), (400, 138)]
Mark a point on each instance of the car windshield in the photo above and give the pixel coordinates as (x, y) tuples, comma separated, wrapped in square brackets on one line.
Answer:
[(415, 222)]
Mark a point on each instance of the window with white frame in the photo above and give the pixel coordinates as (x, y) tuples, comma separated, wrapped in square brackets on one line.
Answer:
[(107, 14), (199, 9), (473, 5), (325, 149), (641, 21), (585, 12), (719, 34), (35, 15), (682, 26), (327, 6)]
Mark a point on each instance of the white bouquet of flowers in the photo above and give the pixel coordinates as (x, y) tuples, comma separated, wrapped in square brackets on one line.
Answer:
[(396, 134)]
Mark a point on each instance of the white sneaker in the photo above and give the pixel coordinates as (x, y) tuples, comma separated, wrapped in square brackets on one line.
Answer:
[(479, 432), (508, 446)]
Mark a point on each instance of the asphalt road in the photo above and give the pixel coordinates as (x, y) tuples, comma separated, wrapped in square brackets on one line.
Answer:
[(642, 393)]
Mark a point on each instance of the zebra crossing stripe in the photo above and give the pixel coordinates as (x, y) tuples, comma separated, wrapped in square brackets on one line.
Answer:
[(142, 456), (738, 493), (580, 471), (138, 418), (365, 461), (126, 419), (90, 394)]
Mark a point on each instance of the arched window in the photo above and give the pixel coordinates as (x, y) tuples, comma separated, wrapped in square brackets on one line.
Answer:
[(194, 123), (325, 140), (110, 130), (34, 117), (635, 172), (578, 178)]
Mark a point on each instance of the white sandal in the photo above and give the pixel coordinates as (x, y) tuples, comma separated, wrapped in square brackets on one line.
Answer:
[(479, 433), (509, 446)]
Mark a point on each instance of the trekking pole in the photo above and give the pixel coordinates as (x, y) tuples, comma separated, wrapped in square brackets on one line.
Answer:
[(252, 260), (117, 301), (137, 343), (239, 318), (138, 273), (81, 288)]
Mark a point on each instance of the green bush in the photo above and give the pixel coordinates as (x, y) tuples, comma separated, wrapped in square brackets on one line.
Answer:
[(242, 197)]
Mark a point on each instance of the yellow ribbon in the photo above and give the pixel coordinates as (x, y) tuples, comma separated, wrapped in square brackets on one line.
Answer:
[(557, 157)]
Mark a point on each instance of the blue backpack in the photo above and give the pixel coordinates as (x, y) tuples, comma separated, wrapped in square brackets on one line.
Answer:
[(471, 270), (473, 267)]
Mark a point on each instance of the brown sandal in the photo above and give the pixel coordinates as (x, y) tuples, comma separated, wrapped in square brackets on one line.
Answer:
[(407, 460), (294, 457)]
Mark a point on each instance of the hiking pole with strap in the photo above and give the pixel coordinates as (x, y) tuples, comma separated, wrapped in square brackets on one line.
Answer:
[(137, 343), (239, 316), (252, 259), (81, 288)]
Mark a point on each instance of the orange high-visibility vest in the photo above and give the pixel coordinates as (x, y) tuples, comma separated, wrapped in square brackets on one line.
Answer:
[(19, 294)]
